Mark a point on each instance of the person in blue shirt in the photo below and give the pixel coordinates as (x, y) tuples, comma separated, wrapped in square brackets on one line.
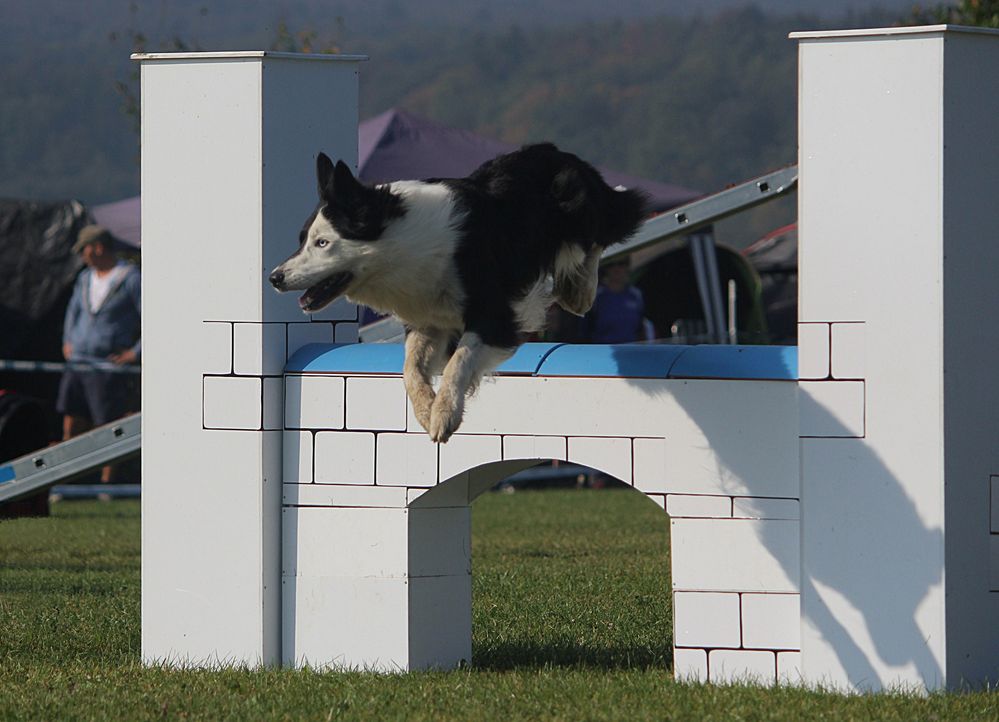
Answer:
[(618, 313), (102, 325)]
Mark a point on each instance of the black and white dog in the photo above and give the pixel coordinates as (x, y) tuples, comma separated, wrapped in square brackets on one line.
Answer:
[(468, 264)]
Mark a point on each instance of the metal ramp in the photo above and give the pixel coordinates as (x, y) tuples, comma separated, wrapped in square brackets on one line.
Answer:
[(62, 462)]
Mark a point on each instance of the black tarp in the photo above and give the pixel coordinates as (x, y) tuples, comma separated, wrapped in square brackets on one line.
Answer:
[(39, 268)]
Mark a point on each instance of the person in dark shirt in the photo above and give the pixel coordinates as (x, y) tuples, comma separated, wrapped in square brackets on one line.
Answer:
[(618, 313)]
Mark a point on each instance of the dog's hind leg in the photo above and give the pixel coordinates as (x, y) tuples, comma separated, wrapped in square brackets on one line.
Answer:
[(467, 364), (575, 284), (426, 352)]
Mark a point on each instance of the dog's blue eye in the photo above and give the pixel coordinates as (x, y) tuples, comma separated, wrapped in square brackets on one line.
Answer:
[(322, 242)]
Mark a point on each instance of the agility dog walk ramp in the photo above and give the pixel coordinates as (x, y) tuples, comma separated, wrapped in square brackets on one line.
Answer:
[(62, 462)]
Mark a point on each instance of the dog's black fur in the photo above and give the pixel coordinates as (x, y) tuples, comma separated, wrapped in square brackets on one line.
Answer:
[(462, 262), (522, 208)]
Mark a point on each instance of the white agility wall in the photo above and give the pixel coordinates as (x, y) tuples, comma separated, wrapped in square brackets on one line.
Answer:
[(229, 141), (840, 529), (363, 478), (899, 332)]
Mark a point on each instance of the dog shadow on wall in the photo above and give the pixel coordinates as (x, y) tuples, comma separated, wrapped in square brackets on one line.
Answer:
[(860, 575)]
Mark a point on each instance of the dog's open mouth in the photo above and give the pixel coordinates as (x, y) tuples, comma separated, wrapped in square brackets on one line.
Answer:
[(324, 292)]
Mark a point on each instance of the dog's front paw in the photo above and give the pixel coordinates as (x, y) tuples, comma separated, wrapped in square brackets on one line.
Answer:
[(445, 418), (422, 406)]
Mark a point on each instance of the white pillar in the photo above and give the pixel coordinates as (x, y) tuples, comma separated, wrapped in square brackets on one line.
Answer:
[(899, 340), (229, 142)]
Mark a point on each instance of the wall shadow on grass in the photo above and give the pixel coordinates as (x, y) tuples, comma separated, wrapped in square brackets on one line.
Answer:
[(507, 656)]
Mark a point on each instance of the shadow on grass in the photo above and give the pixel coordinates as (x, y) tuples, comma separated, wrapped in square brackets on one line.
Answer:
[(521, 655)]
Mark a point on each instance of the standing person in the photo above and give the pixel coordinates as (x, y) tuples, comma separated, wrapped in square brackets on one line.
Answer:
[(618, 313), (102, 325)]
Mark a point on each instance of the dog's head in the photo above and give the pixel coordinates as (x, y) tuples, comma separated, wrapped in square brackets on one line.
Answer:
[(336, 239)]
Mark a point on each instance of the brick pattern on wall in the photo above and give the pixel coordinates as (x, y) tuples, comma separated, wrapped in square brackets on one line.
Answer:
[(831, 365), (243, 368), (351, 441)]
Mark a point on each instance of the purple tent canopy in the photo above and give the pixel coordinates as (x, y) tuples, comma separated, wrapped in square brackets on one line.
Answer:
[(398, 145), (123, 218)]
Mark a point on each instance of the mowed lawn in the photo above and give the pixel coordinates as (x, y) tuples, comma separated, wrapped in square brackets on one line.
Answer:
[(571, 622)]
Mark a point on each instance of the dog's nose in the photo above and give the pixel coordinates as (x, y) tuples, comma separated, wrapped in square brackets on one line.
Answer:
[(277, 279)]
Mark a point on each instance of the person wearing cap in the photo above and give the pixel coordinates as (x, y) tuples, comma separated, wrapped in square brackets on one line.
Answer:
[(102, 325)]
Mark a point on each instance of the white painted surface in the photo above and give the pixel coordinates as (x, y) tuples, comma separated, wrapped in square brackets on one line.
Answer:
[(740, 665), (874, 605), (328, 542), (813, 350), (994, 504), (314, 402), (440, 542), (379, 588), (690, 665), (702, 619), (330, 622), (611, 456), (297, 456), (341, 495), (465, 452), (734, 555), (994, 563), (345, 333), (705, 454), (345, 457), (649, 465), (215, 345), (258, 349), (376, 403), (658, 500), (789, 668), (679, 505), (849, 350), (300, 334), (534, 447), (971, 345), (233, 403), (273, 412), (440, 621), (451, 493), (405, 460), (227, 178), (832, 408), (757, 508), (771, 621)]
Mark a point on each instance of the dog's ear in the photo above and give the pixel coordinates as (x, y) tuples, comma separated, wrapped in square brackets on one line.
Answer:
[(324, 175), (344, 183)]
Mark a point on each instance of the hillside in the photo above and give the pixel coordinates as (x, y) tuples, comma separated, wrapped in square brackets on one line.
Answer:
[(700, 100)]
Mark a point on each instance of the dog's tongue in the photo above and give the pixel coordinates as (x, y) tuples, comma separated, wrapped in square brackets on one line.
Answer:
[(324, 292)]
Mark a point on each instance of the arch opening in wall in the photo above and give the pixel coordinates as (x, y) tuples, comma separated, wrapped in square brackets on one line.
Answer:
[(570, 578)]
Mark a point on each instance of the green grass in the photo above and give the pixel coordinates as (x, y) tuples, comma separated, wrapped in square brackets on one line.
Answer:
[(571, 622)]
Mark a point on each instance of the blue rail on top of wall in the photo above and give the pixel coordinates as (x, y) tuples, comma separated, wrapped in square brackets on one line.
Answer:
[(386, 358), (350, 358), (612, 360), (775, 363), (772, 363)]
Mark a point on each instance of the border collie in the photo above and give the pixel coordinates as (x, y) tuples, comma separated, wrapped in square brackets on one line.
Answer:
[(468, 264)]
